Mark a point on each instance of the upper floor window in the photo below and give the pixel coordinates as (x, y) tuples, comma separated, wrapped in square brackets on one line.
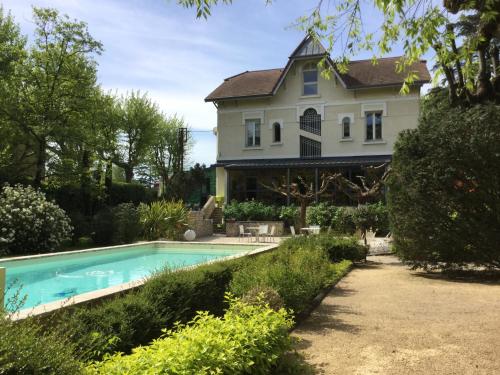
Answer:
[(346, 127), (276, 132), (309, 148), (310, 79), (252, 132), (310, 121), (373, 126)]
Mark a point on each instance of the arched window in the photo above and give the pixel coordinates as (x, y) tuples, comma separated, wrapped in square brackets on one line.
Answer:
[(310, 79), (310, 121), (276, 132), (346, 127)]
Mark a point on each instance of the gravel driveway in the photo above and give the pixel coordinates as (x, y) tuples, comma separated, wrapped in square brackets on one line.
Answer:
[(384, 319)]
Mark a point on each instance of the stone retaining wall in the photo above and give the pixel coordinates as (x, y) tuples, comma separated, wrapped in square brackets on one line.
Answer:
[(203, 227)]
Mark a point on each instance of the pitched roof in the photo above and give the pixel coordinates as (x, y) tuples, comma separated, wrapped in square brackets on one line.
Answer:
[(247, 84), (361, 74)]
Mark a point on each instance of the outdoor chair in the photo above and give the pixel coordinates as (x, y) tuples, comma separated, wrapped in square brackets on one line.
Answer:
[(272, 233), (315, 229), (292, 231), (244, 234), (263, 229)]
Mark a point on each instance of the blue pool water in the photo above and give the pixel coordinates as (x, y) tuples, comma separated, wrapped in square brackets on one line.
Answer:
[(53, 278)]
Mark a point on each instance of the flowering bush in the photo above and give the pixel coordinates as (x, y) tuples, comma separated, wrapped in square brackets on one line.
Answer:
[(29, 222)]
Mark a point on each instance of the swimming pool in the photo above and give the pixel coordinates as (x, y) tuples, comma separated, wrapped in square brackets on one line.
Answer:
[(56, 277)]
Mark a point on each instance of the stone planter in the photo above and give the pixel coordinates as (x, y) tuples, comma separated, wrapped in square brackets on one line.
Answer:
[(232, 227)]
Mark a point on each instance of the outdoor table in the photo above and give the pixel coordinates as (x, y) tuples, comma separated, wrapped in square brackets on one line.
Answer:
[(256, 232)]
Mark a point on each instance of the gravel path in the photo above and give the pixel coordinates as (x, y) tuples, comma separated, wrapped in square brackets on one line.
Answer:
[(384, 319)]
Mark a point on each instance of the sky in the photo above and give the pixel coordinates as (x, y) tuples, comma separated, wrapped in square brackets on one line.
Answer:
[(159, 47)]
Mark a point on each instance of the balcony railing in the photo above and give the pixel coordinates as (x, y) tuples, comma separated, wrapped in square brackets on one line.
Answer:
[(309, 148), (310, 121)]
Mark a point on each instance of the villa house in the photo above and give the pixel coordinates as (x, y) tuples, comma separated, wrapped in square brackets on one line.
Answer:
[(289, 122)]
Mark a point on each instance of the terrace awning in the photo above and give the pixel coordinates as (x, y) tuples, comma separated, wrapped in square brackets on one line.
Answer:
[(325, 162)]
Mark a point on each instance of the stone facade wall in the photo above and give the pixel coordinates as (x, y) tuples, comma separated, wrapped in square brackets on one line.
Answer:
[(203, 227), (232, 227)]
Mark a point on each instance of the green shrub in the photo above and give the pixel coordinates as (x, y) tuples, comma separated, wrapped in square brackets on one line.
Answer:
[(342, 221), (102, 227), (296, 275), (127, 321), (249, 340), (27, 348), (116, 225), (126, 223), (251, 210), (163, 219), (289, 215), (82, 225), (136, 193), (321, 214), (30, 223), (443, 192), (337, 248), (264, 295)]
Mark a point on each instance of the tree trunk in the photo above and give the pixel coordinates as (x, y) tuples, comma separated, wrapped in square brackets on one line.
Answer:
[(303, 211), (108, 177), (40, 162), (129, 173), (85, 184)]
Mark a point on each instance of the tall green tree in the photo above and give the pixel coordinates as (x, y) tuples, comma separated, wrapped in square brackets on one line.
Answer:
[(167, 153), (51, 87), (140, 118), (14, 159)]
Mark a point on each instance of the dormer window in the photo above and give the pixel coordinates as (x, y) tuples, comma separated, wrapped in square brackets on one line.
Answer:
[(310, 78)]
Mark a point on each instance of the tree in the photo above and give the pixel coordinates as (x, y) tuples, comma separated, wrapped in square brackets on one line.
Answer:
[(50, 88), (371, 185), (444, 201), (140, 120), (302, 191), (471, 70), (167, 154)]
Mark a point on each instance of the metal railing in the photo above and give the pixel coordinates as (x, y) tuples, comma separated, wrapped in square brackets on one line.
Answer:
[(309, 148)]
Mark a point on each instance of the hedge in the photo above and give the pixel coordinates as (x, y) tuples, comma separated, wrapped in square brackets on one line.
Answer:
[(250, 339), (297, 271), (136, 318)]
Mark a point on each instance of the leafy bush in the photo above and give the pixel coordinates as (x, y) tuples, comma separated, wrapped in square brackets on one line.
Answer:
[(30, 223), (289, 215), (122, 192), (342, 221), (126, 223), (251, 210), (337, 248), (27, 348), (443, 192), (249, 340), (321, 214), (264, 295), (82, 225), (116, 225), (371, 217), (296, 275), (163, 219), (125, 322)]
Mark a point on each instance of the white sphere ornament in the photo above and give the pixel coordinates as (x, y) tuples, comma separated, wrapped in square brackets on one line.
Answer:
[(189, 235)]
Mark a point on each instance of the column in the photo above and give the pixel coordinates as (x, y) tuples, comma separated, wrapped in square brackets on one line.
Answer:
[(288, 186)]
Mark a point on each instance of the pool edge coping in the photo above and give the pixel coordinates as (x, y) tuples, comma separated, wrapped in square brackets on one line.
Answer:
[(120, 288)]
